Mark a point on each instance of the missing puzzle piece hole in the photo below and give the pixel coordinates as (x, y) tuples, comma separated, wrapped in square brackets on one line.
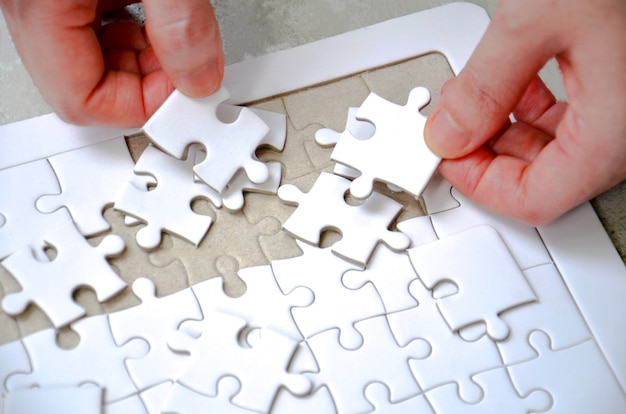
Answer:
[(329, 237)]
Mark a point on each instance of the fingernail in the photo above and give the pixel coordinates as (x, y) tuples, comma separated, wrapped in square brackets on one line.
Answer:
[(202, 82), (444, 136)]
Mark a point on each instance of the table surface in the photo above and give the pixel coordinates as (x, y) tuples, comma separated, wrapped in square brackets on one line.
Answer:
[(259, 27)]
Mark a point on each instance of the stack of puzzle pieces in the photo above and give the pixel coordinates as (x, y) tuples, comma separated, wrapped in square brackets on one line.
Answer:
[(349, 300)]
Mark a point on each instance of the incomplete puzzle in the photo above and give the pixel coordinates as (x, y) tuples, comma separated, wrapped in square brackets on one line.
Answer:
[(456, 311)]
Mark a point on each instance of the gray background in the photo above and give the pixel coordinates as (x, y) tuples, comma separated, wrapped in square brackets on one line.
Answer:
[(255, 27)]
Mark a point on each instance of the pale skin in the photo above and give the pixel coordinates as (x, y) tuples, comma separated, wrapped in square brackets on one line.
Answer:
[(556, 156)]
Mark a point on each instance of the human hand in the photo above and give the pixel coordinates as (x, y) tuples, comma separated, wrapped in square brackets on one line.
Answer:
[(120, 73), (557, 155)]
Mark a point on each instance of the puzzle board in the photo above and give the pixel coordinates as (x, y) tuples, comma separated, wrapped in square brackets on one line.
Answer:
[(575, 252)]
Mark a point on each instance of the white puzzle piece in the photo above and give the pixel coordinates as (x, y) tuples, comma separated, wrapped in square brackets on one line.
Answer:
[(233, 195), (13, 359), (397, 153), (261, 366), (263, 304), (523, 241), (182, 400), (319, 401), (167, 207), (51, 284), (84, 192), (182, 121), (499, 396), (451, 359), (96, 359), (554, 313), (362, 226), (276, 122), (482, 265), (20, 187), (334, 306), (152, 321), (129, 405), (54, 400), (347, 372), (559, 372), (379, 396)]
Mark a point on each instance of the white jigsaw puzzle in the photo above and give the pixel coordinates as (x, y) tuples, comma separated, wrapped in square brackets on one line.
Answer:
[(167, 207), (397, 153), (50, 284), (362, 226), (182, 121)]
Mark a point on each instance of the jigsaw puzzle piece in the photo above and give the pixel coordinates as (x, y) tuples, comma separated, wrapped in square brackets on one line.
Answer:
[(559, 372), (167, 207), (129, 405), (379, 397), (183, 120), (261, 365), (277, 123), (362, 226), (499, 396), (84, 192), (334, 306), (452, 359), (437, 195), (86, 399), (347, 372), (20, 187), (397, 153), (554, 313), (391, 274), (96, 359), (523, 241), (182, 400), (152, 321), (263, 304), (419, 229), (319, 401), (51, 284), (233, 197), (14, 360), (483, 265)]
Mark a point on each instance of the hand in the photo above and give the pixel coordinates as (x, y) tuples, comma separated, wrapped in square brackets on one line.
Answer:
[(117, 74), (557, 155)]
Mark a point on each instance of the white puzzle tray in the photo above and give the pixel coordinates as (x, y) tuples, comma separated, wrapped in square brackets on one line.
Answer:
[(214, 283)]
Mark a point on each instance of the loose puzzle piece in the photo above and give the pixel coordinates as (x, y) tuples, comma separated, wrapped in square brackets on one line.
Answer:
[(260, 366), (499, 396), (452, 359), (51, 284), (397, 153), (167, 207), (482, 265), (391, 274), (152, 321), (334, 306), (263, 304), (233, 197), (182, 400), (275, 139), (347, 372), (96, 359), (361, 226), (86, 399), (523, 241), (554, 313), (20, 187), (13, 359), (182, 121), (84, 192), (378, 395), (559, 372)]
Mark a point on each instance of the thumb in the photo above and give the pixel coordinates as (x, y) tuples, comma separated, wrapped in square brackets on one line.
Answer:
[(477, 103), (186, 39)]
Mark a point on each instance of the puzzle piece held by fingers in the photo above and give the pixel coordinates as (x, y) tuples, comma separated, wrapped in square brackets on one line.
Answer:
[(51, 284), (362, 226), (182, 121), (397, 153)]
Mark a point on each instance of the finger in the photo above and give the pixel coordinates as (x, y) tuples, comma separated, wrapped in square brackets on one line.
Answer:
[(522, 141), (478, 102), (539, 108), (122, 35), (186, 39)]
